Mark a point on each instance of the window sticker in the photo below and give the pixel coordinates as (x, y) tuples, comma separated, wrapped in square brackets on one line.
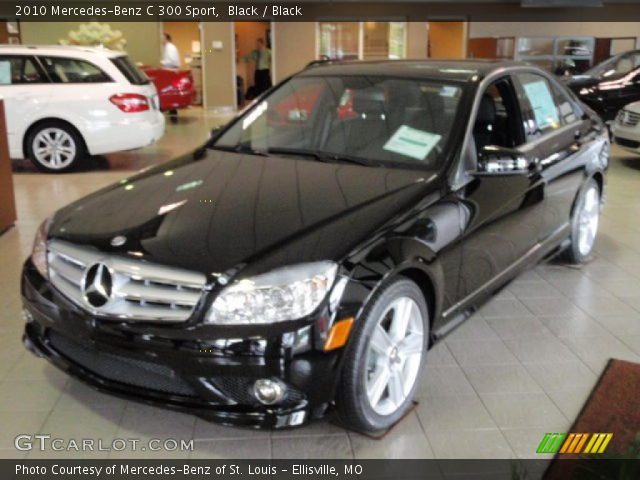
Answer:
[(5, 73), (544, 108), (412, 142), (448, 91)]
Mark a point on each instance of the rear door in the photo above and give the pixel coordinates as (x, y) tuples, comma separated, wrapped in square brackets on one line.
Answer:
[(560, 133), (25, 90)]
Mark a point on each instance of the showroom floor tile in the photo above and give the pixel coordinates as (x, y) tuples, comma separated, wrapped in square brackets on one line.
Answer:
[(521, 367)]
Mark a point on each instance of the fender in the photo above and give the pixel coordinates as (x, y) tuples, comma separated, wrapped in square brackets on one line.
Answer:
[(412, 250)]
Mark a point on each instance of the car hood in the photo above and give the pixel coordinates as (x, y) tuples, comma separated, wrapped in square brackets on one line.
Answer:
[(633, 107), (580, 81), (217, 212)]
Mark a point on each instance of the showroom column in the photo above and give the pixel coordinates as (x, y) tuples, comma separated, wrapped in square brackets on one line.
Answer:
[(7, 200), (218, 64)]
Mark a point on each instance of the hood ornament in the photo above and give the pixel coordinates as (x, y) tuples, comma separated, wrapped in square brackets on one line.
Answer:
[(97, 285)]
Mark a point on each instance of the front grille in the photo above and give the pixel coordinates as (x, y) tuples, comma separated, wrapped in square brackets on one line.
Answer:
[(120, 369), (138, 290), (628, 118), (623, 142)]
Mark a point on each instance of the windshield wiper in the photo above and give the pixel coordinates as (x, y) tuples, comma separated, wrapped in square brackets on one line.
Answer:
[(294, 151), (240, 148), (319, 155), (339, 157)]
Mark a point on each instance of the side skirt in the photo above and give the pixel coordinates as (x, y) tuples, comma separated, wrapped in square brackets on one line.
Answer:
[(462, 310)]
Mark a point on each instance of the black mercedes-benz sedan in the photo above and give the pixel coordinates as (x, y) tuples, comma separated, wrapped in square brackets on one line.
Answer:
[(610, 85), (309, 254)]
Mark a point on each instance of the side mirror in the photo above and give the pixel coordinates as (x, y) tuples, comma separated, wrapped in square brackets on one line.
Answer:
[(494, 160)]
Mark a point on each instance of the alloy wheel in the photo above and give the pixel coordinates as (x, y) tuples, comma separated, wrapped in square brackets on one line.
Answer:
[(54, 148), (588, 219), (394, 356)]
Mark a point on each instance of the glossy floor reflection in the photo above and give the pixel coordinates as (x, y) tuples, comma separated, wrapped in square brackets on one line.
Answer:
[(521, 367)]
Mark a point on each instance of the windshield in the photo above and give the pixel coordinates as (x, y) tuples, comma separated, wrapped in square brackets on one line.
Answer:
[(372, 120), (616, 66)]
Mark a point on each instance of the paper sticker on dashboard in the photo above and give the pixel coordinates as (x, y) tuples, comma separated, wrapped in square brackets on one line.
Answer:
[(544, 107), (412, 142), (5, 73)]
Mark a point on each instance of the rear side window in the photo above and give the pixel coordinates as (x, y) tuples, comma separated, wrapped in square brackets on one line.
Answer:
[(565, 106), (130, 71), (540, 105), (73, 70), (16, 70)]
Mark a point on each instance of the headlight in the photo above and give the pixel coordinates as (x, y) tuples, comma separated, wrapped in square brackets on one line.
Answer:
[(39, 252), (284, 294)]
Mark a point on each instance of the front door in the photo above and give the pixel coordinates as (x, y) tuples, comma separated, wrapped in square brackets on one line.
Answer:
[(506, 208)]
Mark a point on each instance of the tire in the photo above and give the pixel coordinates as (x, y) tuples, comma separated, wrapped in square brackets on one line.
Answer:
[(584, 224), (364, 364), (55, 147)]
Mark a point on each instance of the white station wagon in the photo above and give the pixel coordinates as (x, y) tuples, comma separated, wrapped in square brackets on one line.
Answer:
[(63, 103)]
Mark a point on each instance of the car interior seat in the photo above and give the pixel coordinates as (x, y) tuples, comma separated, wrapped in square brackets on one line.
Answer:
[(353, 136)]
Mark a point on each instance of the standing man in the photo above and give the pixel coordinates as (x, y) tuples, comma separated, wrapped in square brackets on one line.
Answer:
[(170, 53), (170, 59), (262, 76)]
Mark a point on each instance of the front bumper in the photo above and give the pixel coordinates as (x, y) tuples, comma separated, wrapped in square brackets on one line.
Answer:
[(128, 132), (626, 137), (209, 377)]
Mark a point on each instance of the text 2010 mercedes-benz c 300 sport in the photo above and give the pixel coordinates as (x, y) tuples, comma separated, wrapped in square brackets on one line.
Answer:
[(312, 251)]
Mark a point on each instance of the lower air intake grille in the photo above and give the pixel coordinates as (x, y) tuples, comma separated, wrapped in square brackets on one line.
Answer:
[(112, 367), (240, 390)]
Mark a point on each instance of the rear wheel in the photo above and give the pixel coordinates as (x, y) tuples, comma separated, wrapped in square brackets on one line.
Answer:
[(55, 147), (385, 358), (584, 224)]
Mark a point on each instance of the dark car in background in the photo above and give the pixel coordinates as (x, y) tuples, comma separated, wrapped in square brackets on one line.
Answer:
[(286, 268), (610, 85)]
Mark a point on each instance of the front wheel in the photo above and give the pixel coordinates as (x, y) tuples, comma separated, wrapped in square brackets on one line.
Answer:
[(55, 147), (385, 358), (584, 224)]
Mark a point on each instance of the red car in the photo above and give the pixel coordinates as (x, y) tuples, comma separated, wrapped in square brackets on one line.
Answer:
[(175, 88)]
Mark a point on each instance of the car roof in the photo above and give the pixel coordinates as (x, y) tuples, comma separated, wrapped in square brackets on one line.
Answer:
[(59, 49), (452, 70)]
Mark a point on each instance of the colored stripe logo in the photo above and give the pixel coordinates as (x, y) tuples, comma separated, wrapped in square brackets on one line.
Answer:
[(574, 443)]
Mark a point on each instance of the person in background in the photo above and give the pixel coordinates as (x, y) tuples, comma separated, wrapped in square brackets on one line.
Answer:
[(170, 59), (170, 53), (262, 76)]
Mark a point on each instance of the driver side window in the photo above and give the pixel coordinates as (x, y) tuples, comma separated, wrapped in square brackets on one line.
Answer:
[(497, 120)]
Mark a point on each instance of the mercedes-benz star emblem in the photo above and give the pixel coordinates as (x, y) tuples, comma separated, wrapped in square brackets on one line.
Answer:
[(97, 285), (118, 241)]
